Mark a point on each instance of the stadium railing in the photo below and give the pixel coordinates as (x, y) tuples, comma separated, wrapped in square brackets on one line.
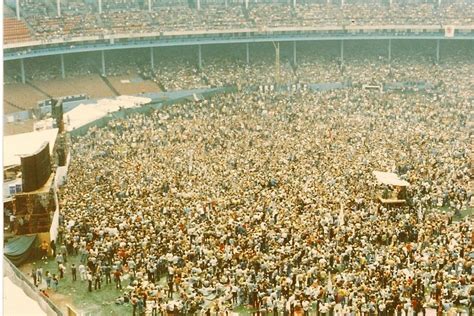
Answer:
[(348, 28), (20, 280)]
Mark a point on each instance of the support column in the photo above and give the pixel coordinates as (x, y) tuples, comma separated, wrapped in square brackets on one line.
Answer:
[(63, 70), (149, 5), (342, 3), (58, 5), (198, 4), (342, 52), (391, 2), (294, 3), (102, 53), (247, 49), (246, 4), (437, 51), (22, 66), (389, 50), (152, 58), (17, 7), (199, 57), (328, 1), (226, 4), (294, 53), (439, 3), (277, 63), (100, 6)]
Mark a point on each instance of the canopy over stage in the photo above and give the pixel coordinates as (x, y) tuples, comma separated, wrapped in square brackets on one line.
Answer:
[(15, 146), (395, 197), (390, 178)]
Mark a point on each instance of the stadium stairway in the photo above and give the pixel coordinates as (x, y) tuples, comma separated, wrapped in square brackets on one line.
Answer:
[(245, 12), (204, 78), (31, 29), (148, 17), (157, 82), (8, 11), (38, 89), (100, 22), (109, 84), (15, 106), (161, 85), (51, 8), (294, 67)]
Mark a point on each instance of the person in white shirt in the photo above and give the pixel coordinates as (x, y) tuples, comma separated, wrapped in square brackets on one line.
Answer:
[(82, 272), (306, 307), (154, 308), (61, 269)]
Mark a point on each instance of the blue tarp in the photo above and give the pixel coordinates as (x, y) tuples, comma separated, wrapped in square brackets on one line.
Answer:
[(20, 248)]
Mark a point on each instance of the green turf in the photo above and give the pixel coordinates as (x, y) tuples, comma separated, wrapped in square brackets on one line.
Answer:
[(102, 302), (241, 310), (464, 213), (97, 302)]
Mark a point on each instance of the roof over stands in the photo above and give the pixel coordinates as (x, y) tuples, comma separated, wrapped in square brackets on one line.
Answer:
[(15, 146), (390, 178)]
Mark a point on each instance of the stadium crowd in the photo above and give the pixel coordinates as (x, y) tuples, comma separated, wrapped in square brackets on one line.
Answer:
[(227, 66), (124, 17), (267, 200)]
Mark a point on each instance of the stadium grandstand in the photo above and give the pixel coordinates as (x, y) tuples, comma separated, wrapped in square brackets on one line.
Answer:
[(238, 157)]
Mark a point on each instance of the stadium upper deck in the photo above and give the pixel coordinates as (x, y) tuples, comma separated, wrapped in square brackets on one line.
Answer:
[(57, 27), (40, 22)]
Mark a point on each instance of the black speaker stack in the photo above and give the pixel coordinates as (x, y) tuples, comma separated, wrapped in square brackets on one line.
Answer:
[(36, 169)]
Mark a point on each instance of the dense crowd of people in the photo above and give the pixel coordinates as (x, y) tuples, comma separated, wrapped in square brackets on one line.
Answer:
[(123, 17), (365, 62), (267, 199)]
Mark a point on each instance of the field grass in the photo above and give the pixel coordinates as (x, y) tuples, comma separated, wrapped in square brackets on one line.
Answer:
[(463, 214), (102, 302), (76, 294)]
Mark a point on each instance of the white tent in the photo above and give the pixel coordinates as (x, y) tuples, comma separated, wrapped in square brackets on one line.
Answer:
[(390, 178), (18, 145), (17, 303), (84, 114)]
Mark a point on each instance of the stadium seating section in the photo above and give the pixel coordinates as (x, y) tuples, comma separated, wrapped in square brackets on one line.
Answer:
[(81, 20), (15, 31)]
